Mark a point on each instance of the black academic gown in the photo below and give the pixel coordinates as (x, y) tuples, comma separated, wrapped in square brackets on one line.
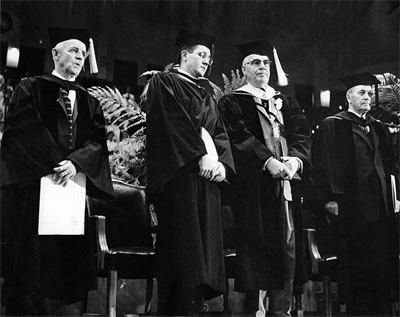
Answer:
[(189, 241), (354, 168), (35, 140), (253, 197)]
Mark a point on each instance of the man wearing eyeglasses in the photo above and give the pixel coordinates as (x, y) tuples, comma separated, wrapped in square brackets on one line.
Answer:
[(188, 155), (270, 139)]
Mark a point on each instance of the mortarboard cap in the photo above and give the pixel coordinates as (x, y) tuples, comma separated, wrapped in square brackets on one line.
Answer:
[(60, 34), (260, 47), (359, 79), (188, 37), (264, 47)]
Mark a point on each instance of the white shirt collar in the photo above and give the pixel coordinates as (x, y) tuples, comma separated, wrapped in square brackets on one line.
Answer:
[(55, 73), (185, 72), (357, 114), (266, 94)]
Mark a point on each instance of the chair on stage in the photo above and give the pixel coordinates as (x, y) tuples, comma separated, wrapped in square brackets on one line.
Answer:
[(123, 234), (322, 268), (229, 236)]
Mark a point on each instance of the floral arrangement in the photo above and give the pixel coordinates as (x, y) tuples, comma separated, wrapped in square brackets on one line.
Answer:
[(128, 160), (388, 109)]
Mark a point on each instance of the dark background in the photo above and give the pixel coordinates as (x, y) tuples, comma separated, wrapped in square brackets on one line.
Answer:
[(317, 41)]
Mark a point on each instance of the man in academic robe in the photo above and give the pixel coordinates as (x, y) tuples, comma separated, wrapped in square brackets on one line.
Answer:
[(354, 171), (270, 139), (53, 127), (188, 156)]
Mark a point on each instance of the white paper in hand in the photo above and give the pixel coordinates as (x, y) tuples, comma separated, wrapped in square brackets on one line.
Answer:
[(62, 209), (209, 143), (396, 202)]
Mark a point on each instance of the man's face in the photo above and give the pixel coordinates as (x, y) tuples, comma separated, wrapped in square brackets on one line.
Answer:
[(196, 62), (359, 98), (257, 70), (69, 57)]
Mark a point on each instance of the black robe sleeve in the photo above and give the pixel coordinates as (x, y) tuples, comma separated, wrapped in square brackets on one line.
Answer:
[(28, 149), (327, 174), (29, 146), (254, 152), (92, 155), (222, 144), (172, 138), (298, 133)]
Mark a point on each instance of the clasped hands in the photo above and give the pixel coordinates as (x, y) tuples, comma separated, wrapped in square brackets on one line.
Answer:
[(211, 169), (283, 170), (64, 172)]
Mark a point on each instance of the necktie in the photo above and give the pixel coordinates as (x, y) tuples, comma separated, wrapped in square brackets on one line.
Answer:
[(68, 107), (364, 125)]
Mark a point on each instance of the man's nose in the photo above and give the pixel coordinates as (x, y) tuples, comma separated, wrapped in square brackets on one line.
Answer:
[(79, 55)]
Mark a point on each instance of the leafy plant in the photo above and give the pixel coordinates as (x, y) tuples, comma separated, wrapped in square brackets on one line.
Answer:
[(389, 92), (117, 111), (128, 163), (236, 82), (388, 110)]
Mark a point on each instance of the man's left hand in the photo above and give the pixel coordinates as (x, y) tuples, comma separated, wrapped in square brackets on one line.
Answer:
[(64, 172), (220, 173), (292, 164)]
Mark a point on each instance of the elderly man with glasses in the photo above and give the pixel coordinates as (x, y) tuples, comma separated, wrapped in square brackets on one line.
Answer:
[(270, 140), (188, 156)]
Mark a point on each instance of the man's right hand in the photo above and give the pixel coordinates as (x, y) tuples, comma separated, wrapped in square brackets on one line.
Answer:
[(332, 207), (277, 169)]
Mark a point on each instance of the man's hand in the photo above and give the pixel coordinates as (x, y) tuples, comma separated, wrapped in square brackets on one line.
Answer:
[(64, 172), (292, 164), (208, 166), (219, 174), (277, 169), (397, 206), (332, 207)]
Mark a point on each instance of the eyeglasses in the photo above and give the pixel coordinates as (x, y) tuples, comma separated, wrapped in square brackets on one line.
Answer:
[(204, 56), (257, 62)]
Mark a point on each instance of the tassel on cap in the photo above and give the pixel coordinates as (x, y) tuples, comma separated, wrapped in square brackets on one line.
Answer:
[(282, 79), (92, 58)]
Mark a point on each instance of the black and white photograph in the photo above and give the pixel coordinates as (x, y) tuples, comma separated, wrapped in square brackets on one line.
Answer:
[(200, 158)]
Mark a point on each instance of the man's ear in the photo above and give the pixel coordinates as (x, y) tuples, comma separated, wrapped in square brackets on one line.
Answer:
[(184, 55), (55, 53)]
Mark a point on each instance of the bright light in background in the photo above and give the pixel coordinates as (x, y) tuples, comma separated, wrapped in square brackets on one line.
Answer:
[(340, 107), (325, 98), (12, 57)]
